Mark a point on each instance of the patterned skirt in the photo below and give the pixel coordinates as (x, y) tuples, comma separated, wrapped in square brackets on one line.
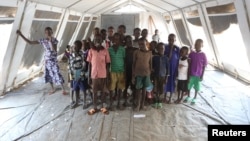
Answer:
[(52, 73)]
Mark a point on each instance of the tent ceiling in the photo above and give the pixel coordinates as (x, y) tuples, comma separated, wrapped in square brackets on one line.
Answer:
[(108, 6)]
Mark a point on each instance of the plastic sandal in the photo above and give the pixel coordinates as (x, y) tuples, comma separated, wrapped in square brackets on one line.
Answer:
[(104, 111), (92, 111), (193, 101), (187, 99), (159, 105)]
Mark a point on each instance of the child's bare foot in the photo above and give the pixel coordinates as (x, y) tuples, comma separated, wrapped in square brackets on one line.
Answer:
[(119, 107), (137, 108), (164, 100), (111, 108), (52, 91), (144, 108), (177, 101), (64, 92), (169, 101)]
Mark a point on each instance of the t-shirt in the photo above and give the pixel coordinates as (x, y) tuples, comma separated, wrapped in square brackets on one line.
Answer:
[(198, 60), (160, 65), (183, 71), (98, 60), (117, 59), (77, 66)]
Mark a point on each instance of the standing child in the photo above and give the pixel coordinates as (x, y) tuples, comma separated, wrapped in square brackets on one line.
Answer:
[(172, 51), (160, 73), (85, 51), (141, 70), (98, 58), (128, 66), (136, 34), (117, 56), (77, 69), (198, 62), (182, 74), (52, 72)]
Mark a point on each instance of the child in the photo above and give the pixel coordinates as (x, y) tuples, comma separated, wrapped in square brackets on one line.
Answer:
[(172, 51), (198, 62), (182, 74), (160, 73), (85, 51), (52, 72), (110, 35), (137, 33), (141, 69), (122, 30), (144, 35), (117, 56), (153, 45), (77, 69), (98, 58), (128, 66), (156, 36)]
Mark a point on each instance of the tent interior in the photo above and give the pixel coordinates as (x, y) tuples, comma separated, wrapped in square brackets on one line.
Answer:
[(27, 112)]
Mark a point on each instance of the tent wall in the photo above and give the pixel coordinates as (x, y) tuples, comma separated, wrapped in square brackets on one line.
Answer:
[(199, 20)]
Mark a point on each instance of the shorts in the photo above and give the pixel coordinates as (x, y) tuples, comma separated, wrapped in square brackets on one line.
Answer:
[(99, 84), (159, 83), (142, 82), (182, 85), (117, 81), (194, 81)]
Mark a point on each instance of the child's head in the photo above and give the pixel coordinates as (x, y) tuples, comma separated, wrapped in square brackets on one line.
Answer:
[(48, 31), (184, 51), (85, 45), (77, 46), (128, 40), (198, 45), (122, 29), (110, 31), (156, 31), (96, 31), (104, 34), (68, 47), (98, 40), (160, 48), (142, 44), (144, 33), (137, 32), (171, 39), (116, 39), (153, 45)]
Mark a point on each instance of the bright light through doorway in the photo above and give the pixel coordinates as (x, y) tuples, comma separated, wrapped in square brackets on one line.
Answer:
[(130, 8)]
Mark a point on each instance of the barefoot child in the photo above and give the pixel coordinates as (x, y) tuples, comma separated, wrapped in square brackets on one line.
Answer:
[(172, 51), (77, 70), (160, 73), (198, 62), (98, 58), (182, 74), (52, 72), (141, 70), (128, 66)]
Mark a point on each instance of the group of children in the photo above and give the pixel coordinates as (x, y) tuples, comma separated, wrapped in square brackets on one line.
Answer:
[(112, 63)]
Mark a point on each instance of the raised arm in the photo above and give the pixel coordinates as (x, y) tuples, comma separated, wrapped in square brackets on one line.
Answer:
[(18, 32)]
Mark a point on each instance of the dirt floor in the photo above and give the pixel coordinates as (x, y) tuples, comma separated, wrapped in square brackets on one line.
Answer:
[(30, 114)]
